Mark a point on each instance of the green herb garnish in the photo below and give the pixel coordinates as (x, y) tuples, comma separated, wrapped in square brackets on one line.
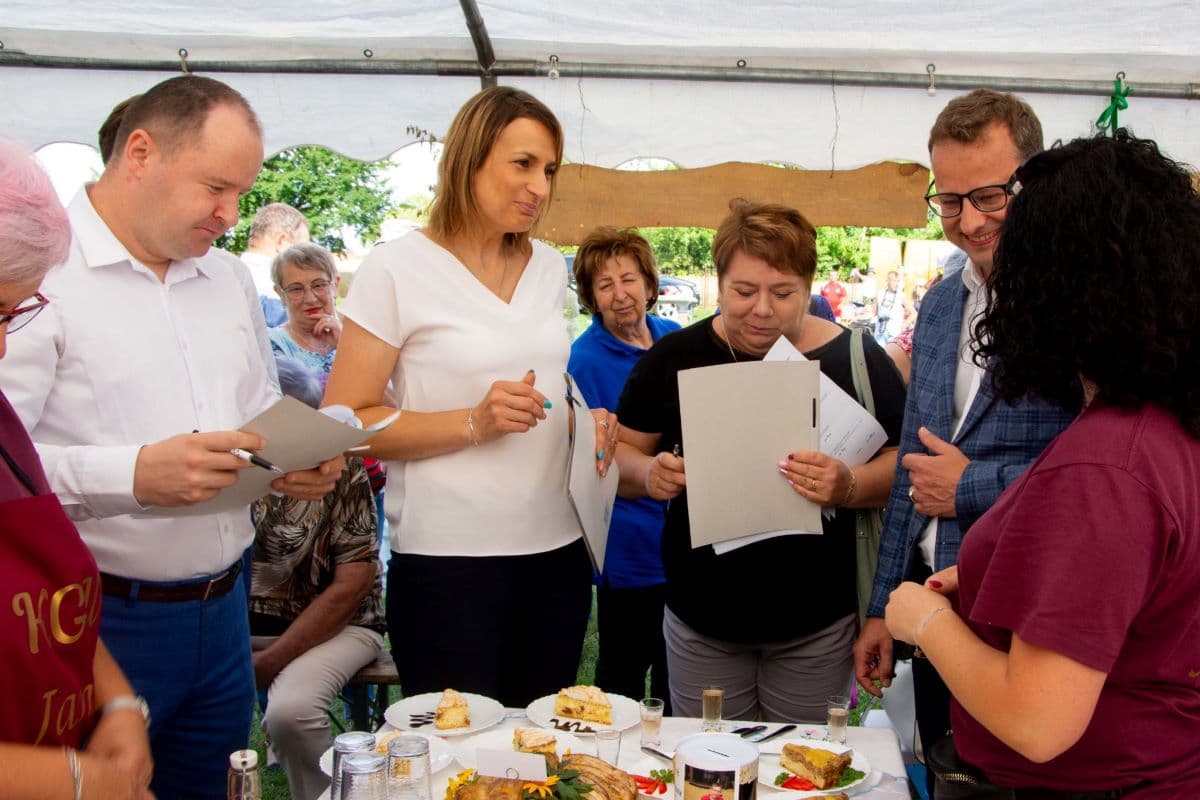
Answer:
[(849, 776), (781, 777), (666, 776)]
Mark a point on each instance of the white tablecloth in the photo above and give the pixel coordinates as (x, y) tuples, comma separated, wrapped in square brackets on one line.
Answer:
[(880, 747)]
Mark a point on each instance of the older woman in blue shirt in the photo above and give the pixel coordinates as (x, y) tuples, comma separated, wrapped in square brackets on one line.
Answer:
[(617, 281)]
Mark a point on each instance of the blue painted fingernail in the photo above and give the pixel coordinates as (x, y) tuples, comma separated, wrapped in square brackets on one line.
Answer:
[(599, 455), (547, 404)]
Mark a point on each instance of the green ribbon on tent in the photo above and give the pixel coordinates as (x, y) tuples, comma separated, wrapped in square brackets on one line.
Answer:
[(1117, 102)]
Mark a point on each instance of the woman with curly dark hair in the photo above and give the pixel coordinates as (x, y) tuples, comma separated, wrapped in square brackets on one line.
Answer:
[(1072, 642)]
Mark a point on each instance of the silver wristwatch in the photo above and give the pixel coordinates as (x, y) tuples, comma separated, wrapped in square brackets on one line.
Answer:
[(128, 702)]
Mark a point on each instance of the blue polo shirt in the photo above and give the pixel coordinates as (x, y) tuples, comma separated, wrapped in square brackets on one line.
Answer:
[(600, 363)]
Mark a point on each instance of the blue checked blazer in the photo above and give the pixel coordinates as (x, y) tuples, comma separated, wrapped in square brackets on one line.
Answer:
[(1000, 440)]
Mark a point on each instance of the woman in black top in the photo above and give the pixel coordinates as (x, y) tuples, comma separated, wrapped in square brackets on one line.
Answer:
[(772, 622)]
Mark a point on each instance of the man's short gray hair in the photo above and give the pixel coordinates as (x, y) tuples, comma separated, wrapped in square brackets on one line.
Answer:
[(306, 255), (277, 217)]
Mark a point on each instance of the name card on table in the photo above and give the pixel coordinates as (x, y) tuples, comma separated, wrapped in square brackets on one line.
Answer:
[(510, 764)]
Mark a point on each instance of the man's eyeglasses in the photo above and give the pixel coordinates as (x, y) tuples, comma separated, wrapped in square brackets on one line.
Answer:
[(297, 290), (22, 315), (985, 198)]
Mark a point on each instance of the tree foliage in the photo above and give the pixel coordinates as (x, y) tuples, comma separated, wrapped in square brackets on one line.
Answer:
[(849, 247), (682, 251), (331, 190)]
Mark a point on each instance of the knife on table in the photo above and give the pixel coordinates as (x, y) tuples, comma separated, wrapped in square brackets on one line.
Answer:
[(760, 738)]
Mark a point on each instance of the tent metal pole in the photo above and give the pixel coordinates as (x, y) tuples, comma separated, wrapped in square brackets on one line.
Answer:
[(567, 69), (483, 42)]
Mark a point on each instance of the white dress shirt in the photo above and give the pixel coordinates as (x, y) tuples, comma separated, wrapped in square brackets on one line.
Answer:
[(119, 359), (967, 376)]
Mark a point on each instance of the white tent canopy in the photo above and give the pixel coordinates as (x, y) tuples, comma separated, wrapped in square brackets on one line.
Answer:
[(782, 81)]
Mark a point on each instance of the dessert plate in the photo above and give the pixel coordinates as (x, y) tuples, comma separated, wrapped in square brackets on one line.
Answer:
[(441, 755), (625, 715), (769, 767), (416, 713), (502, 739)]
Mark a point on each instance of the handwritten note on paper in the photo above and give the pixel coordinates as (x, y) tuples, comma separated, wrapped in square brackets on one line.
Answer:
[(739, 420), (298, 437)]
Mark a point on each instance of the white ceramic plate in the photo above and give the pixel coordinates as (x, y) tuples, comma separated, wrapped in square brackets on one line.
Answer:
[(416, 714), (642, 766), (464, 749), (625, 715), (441, 755), (768, 767)]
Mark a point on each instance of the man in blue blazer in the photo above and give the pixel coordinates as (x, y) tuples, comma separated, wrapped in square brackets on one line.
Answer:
[(960, 446)]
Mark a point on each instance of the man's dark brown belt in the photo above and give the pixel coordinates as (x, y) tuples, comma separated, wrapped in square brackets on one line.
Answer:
[(218, 586)]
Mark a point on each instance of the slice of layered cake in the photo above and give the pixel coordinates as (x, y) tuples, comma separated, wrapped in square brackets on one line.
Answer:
[(584, 702), (452, 711), (536, 740), (823, 767)]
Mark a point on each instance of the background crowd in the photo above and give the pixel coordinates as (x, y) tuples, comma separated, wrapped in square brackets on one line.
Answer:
[(1059, 634)]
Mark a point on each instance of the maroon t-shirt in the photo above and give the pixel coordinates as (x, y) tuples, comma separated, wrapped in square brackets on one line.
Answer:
[(1094, 553)]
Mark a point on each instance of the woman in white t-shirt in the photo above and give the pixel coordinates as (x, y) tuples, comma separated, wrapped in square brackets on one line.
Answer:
[(489, 584)]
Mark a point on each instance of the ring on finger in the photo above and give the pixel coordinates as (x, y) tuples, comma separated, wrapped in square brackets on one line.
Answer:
[(911, 489), (604, 423), (812, 484)]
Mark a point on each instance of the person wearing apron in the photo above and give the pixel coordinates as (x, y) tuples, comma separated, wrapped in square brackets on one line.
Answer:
[(70, 725)]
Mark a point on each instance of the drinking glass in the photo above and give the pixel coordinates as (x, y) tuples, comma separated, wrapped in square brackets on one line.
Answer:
[(408, 768), (837, 708), (710, 708), (345, 744), (652, 715), (608, 746), (364, 777)]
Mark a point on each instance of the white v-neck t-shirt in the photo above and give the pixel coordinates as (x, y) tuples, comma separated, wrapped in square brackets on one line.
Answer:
[(456, 337)]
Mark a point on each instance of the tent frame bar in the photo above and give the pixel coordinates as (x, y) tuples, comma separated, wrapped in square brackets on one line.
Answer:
[(569, 70)]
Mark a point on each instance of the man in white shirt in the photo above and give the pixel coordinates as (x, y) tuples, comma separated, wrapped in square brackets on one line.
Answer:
[(150, 336), (276, 227), (960, 446)]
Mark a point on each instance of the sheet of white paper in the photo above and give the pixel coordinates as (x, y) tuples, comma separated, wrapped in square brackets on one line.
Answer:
[(298, 437), (848, 432), (738, 421), (510, 764), (591, 496)]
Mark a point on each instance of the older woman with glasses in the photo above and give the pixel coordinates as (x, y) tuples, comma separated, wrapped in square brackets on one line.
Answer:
[(62, 688), (306, 280)]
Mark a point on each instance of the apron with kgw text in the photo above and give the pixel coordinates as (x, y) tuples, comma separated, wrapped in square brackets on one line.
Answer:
[(49, 621)]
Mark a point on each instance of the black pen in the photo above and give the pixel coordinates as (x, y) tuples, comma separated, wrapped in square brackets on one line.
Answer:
[(255, 459)]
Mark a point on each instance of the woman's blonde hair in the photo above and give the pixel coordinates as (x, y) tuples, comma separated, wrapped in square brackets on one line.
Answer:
[(472, 135)]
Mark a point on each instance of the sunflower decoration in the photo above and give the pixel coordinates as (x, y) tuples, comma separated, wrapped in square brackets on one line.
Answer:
[(562, 784), (464, 778)]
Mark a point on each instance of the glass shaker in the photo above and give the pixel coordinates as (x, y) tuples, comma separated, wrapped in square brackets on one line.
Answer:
[(244, 781)]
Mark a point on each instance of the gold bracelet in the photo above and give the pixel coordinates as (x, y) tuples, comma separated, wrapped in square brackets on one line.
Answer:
[(471, 427), (850, 491), (925, 622), (76, 771)]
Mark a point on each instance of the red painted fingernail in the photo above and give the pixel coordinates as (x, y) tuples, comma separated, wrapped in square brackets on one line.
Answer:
[(935, 584), (791, 457)]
